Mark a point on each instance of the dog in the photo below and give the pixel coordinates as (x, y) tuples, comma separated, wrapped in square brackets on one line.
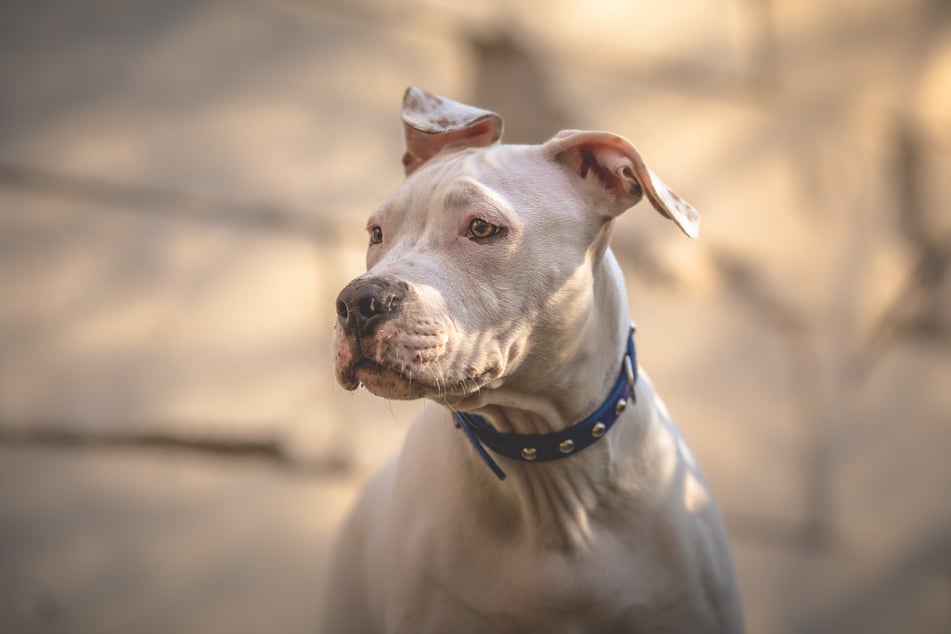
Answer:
[(548, 490)]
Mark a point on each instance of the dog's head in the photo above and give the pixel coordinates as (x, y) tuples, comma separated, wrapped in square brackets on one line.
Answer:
[(483, 247)]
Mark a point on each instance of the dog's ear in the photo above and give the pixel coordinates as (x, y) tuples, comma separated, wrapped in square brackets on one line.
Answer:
[(432, 123), (613, 168)]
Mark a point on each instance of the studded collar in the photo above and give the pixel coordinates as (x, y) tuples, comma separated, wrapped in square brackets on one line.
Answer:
[(559, 444)]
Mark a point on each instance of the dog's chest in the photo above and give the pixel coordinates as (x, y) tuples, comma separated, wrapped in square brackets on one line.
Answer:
[(498, 587)]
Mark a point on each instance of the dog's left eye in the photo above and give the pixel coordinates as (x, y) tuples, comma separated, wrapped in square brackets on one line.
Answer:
[(480, 229)]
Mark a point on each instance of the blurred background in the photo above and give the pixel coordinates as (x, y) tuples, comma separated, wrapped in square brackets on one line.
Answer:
[(183, 187)]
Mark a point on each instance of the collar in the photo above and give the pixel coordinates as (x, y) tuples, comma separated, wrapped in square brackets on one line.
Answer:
[(559, 444)]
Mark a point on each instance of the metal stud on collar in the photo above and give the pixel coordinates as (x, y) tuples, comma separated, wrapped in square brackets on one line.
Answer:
[(566, 446), (529, 453)]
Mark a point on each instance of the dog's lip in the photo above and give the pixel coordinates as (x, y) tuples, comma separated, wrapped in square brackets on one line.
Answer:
[(366, 365), (384, 381), (375, 367)]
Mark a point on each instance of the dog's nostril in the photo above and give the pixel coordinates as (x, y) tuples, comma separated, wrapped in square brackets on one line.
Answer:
[(342, 311), (369, 306)]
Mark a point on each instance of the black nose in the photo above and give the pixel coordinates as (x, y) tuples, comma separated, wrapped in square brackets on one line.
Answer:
[(366, 303)]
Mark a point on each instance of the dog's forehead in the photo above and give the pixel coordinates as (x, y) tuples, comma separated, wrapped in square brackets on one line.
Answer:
[(495, 176)]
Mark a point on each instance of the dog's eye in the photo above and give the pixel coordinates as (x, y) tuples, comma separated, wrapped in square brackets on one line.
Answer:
[(376, 235), (480, 229)]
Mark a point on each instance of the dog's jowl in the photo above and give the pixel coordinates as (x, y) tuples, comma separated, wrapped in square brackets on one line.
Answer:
[(548, 489)]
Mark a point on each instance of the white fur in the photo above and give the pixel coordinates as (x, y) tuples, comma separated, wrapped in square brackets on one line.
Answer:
[(528, 330)]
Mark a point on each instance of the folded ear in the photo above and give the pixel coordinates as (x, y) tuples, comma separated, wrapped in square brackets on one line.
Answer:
[(614, 172), (432, 122)]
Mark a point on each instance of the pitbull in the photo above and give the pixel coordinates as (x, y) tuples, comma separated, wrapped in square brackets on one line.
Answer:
[(548, 490)]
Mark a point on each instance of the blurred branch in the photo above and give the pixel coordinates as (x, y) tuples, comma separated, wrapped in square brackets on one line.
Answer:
[(740, 277), (168, 203), (263, 449), (908, 311)]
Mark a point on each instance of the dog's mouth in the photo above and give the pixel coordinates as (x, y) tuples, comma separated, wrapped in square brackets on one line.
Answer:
[(384, 381), (403, 384)]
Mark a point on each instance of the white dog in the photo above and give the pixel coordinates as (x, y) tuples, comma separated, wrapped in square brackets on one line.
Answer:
[(549, 490)]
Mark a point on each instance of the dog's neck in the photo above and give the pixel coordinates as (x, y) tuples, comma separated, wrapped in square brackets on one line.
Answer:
[(553, 501)]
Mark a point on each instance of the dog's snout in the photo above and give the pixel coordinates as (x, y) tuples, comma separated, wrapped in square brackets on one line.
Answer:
[(365, 303)]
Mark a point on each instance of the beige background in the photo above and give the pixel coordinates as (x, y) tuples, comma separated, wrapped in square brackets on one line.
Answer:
[(183, 187)]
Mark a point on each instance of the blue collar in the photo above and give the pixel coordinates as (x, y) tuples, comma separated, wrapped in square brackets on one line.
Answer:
[(559, 444)]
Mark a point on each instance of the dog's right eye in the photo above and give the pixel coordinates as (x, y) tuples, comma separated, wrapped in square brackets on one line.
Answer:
[(376, 235), (480, 229)]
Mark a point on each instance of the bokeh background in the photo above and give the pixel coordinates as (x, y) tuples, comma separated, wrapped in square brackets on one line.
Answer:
[(183, 187)]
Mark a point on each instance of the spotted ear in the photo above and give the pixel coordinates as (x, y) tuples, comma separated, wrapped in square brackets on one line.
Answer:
[(614, 172), (432, 123)]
